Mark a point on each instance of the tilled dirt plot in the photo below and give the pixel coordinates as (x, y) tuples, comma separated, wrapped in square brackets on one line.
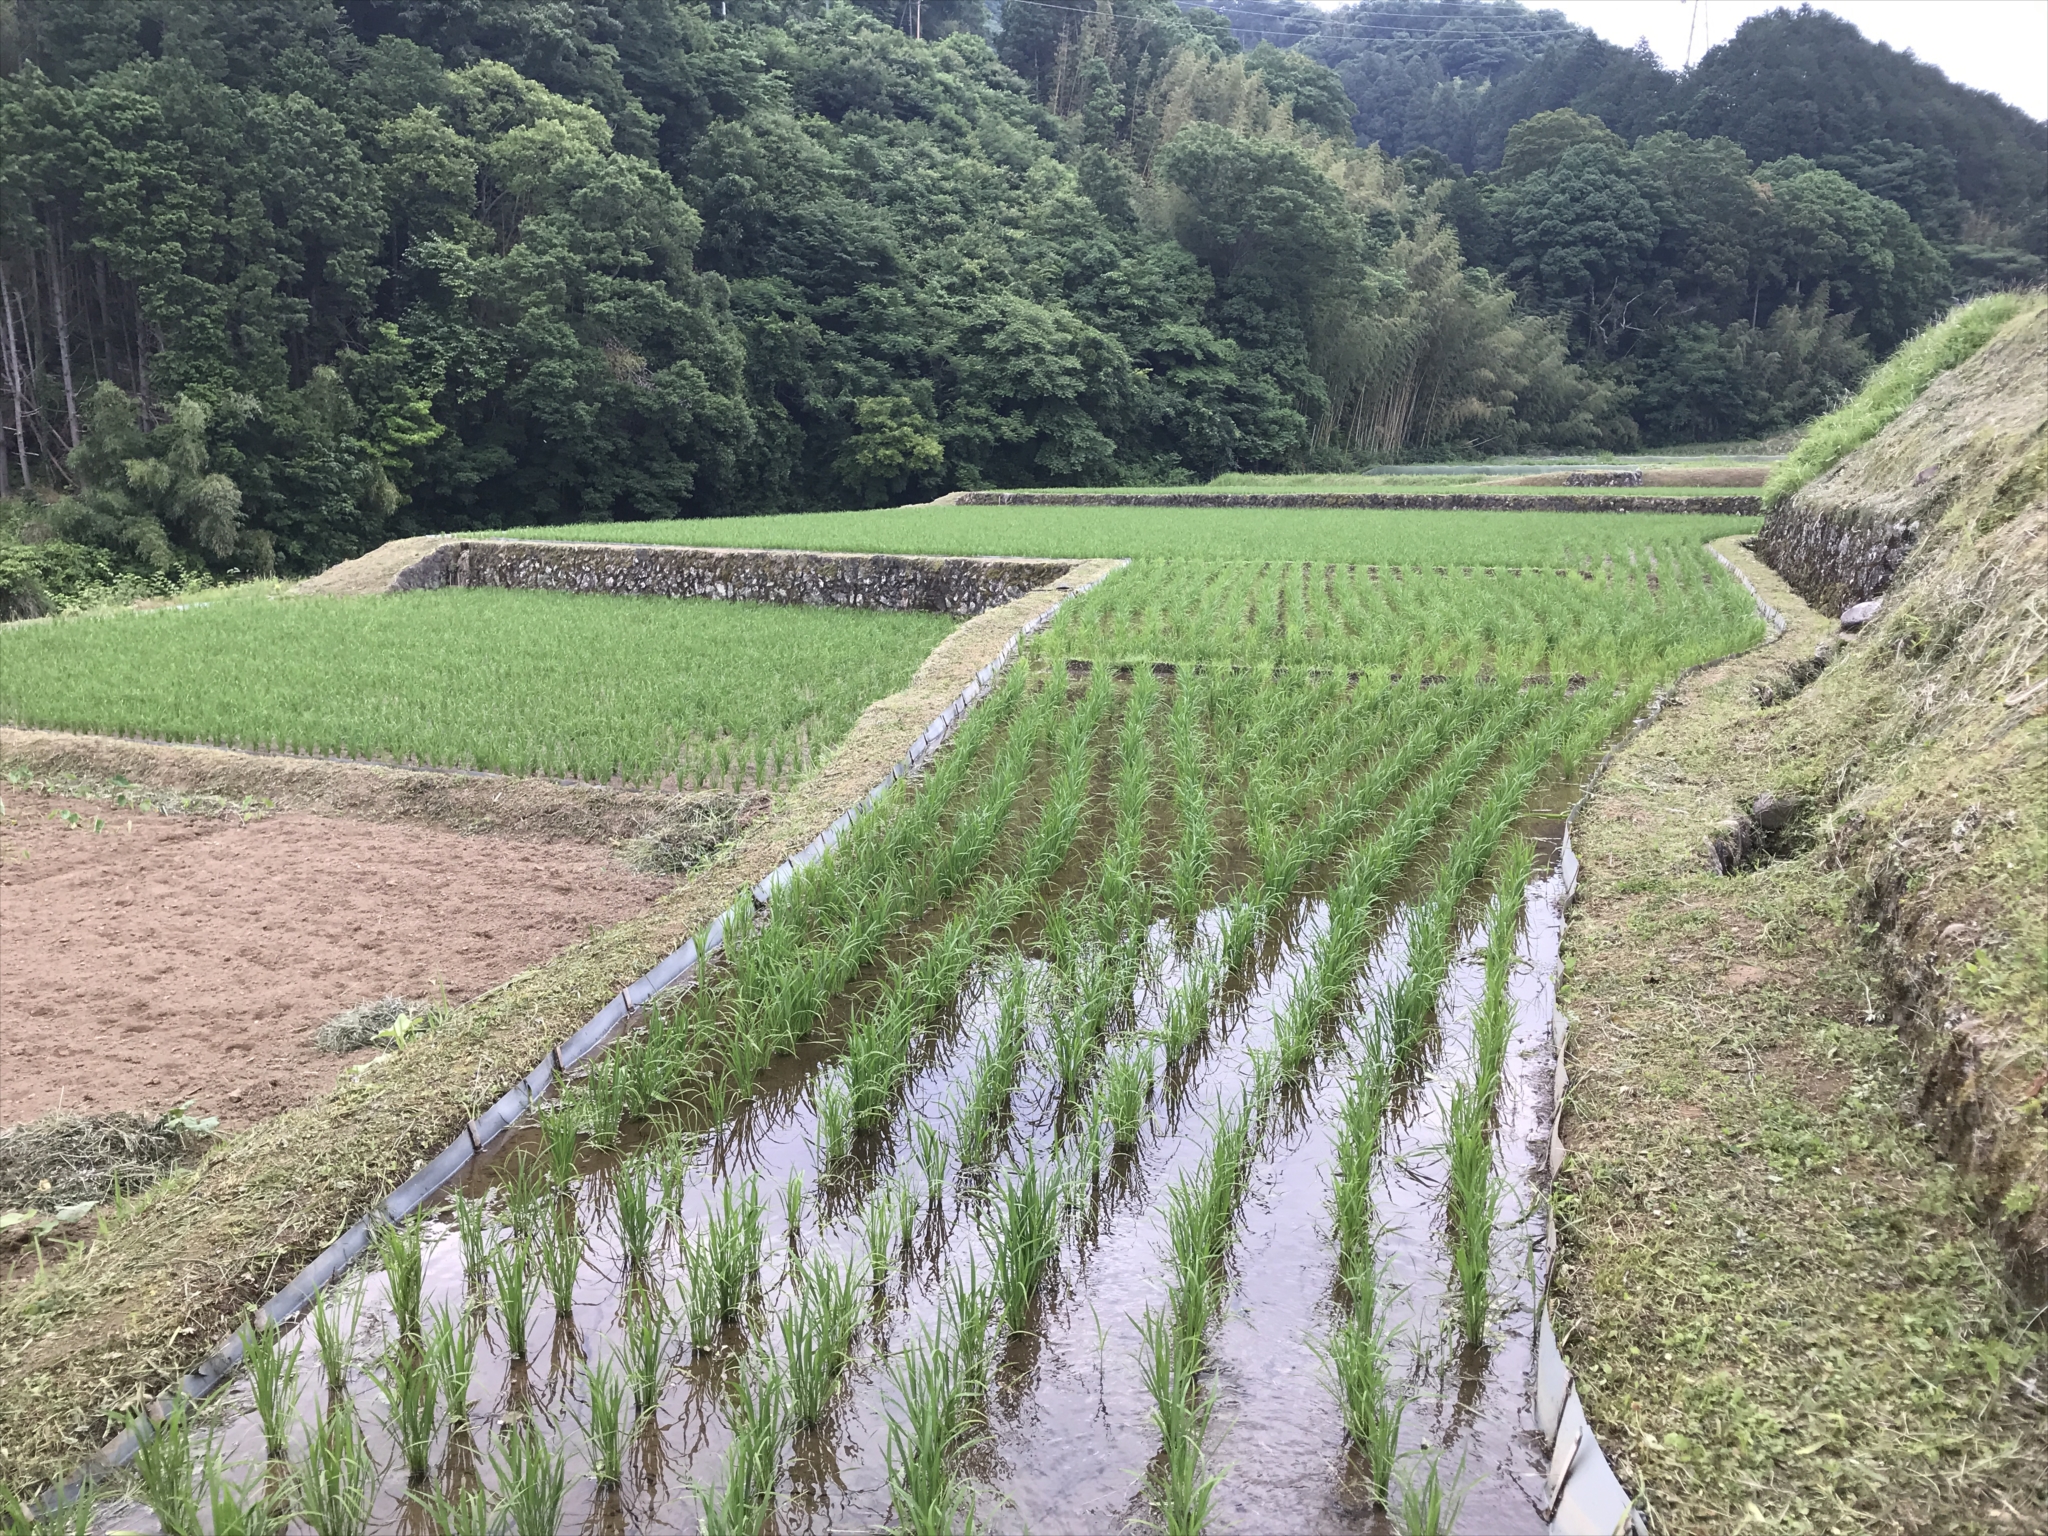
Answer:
[(147, 960)]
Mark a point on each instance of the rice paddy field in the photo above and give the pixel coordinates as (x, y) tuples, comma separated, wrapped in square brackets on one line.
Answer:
[(1347, 535), (517, 682), (1130, 1123)]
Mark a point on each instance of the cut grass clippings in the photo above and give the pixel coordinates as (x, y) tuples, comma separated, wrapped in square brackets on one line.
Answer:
[(1554, 540), (517, 682), (1782, 1310)]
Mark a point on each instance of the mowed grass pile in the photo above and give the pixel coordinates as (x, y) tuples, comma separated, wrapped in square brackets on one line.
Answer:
[(1347, 534), (514, 682)]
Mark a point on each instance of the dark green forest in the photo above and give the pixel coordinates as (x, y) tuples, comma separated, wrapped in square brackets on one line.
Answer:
[(284, 278)]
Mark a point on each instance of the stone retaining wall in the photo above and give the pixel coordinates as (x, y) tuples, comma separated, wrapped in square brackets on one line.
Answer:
[(935, 584), (1406, 501), (1834, 557)]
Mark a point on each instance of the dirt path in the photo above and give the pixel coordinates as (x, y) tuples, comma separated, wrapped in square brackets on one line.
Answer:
[(91, 1338), (1780, 1305), (151, 960)]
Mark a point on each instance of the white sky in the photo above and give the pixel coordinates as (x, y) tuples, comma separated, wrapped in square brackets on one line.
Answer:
[(1999, 46)]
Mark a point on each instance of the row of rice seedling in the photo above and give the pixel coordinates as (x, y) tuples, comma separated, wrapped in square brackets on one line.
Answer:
[(1473, 1192), (563, 684)]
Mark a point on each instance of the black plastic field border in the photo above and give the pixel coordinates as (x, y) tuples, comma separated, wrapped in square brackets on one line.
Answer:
[(1430, 501), (1582, 1494), (479, 1135)]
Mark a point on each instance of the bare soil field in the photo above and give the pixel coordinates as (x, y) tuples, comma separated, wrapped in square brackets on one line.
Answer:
[(150, 960)]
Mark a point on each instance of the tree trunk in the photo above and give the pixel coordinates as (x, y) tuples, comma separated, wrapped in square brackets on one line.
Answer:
[(63, 335), (14, 380)]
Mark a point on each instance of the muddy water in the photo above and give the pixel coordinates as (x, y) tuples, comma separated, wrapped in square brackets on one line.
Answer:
[(1068, 1437)]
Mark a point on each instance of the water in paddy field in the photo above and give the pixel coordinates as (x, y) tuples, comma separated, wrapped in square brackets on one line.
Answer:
[(1068, 1438)]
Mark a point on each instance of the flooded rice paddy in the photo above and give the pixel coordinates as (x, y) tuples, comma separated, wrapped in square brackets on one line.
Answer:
[(1063, 1433)]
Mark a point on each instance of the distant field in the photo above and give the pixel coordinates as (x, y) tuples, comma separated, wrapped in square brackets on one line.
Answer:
[(516, 682), (1197, 533), (1639, 613)]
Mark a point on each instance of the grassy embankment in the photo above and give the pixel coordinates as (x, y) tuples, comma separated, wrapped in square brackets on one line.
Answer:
[(1807, 1190), (512, 682), (1893, 386)]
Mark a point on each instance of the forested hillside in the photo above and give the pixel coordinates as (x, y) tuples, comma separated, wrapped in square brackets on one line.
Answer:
[(283, 280)]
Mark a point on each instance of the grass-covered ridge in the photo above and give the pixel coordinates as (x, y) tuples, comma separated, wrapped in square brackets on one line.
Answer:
[(510, 681), (1888, 391), (1553, 539)]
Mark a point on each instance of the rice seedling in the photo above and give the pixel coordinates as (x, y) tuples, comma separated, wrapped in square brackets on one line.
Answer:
[(239, 1506), (1474, 1197), (410, 1400), (634, 1195), (1184, 1490), (793, 1204), (730, 1249), (1355, 1357), (558, 1143), (451, 1352), (526, 1196), (605, 1424), (740, 1504), (273, 1380), (1186, 1015), (832, 1110), (926, 1424), (469, 1230), (878, 1228), (165, 1469), (532, 1477), (933, 1154), (512, 1283), (561, 1257), (70, 1512), (1429, 1502), (1360, 1119), (1121, 1094), (334, 1480), (467, 1512), (400, 1250), (600, 1099), (1201, 1216), (335, 1311), (817, 1337), (1074, 1033), (646, 1322), (994, 1076), (967, 1308), (1023, 1235)]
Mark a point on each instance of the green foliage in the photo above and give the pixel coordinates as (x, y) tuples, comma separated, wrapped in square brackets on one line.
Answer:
[(478, 678), (1889, 391)]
